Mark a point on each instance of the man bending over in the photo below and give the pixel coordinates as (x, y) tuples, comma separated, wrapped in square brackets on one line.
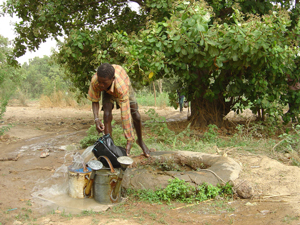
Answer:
[(114, 83)]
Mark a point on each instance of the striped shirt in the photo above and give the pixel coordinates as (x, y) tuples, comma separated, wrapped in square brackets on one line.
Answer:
[(120, 92)]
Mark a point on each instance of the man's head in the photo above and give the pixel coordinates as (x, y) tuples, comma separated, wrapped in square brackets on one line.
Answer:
[(105, 76)]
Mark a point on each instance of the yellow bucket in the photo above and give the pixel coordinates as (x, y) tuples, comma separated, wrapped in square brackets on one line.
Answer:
[(78, 180)]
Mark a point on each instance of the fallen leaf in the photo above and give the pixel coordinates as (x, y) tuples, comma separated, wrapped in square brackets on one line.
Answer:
[(250, 204)]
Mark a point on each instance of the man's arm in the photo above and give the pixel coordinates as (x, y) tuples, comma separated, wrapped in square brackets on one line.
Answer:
[(99, 124)]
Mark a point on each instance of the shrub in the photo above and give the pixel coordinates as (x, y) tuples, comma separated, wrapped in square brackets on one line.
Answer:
[(181, 191), (91, 138)]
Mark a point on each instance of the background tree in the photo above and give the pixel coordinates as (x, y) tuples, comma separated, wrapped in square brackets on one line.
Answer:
[(9, 79), (228, 54), (42, 76)]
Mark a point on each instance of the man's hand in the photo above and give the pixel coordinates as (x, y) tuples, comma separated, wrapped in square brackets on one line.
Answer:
[(99, 125), (128, 147)]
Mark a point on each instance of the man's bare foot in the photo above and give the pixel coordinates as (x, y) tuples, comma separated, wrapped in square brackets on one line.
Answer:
[(144, 148)]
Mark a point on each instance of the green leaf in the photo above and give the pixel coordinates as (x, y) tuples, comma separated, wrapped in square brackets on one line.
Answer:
[(245, 48), (213, 51), (158, 30), (200, 27), (201, 42), (183, 52), (176, 38), (191, 22), (152, 40), (211, 42), (190, 50), (219, 63), (235, 57), (80, 45), (177, 49), (184, 16), (166, 69)]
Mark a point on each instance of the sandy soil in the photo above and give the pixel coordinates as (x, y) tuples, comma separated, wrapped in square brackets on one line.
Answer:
[(26, 178)]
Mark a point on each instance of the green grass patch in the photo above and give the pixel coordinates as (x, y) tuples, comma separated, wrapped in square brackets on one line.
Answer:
[(147, 99), (181, 191)]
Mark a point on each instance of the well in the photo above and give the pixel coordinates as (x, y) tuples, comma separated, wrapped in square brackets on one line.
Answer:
[(203, 168)]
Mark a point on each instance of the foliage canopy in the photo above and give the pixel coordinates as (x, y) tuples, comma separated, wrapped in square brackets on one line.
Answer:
[(227, 54)]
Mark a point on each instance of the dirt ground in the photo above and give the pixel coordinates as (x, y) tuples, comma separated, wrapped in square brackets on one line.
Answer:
[(57, 132)]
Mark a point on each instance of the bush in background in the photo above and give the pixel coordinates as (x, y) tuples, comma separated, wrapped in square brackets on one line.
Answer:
[(9, 79), (147, 99)]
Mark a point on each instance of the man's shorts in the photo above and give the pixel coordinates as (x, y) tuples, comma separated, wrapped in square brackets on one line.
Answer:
[(109, 98)]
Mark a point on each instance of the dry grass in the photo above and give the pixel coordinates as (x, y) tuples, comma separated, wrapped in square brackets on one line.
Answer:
[(58, 99), (61, 99), (22, 98)]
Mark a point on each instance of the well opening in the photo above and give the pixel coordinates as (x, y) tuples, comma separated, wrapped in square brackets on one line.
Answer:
[(167, 164), (195, 168)]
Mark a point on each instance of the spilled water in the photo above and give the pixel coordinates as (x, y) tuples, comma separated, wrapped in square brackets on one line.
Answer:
[(80, 160), (51, 193), (56, 197)]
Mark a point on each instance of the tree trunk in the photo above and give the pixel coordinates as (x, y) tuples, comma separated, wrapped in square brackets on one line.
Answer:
[(159, 83), (204, 112), (154, 93)]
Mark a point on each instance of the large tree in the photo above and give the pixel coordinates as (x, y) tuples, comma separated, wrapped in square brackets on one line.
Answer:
[(240, 60), (226, 53)]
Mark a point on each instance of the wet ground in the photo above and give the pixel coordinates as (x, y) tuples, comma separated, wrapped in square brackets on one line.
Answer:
[(27, 180)]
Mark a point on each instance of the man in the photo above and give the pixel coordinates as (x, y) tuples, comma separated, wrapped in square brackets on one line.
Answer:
[(180, 99), (114, 83)]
